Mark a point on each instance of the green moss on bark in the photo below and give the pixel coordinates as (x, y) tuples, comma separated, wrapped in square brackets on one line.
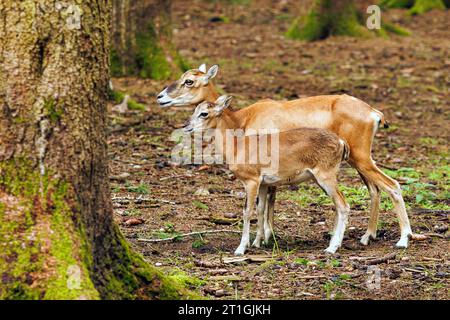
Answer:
[(45, 242), (46, 255), (133, 278), (52, 110), (148, 58)]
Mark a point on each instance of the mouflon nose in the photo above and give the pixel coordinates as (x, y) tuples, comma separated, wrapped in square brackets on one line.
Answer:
[(160, 96)]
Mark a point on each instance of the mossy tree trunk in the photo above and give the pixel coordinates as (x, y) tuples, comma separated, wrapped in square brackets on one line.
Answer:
[(415, 6), (142, 34), (57, 235), (326, 18)]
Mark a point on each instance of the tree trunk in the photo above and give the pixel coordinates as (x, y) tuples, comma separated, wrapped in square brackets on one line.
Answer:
[(326, 18), (57, 235), (422, 6), (141, 43), (416, 6)]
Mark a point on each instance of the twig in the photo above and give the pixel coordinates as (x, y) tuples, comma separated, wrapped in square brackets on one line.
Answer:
[(188, 235), (382, 259), (174, 177), (386, 167), (413, 270), (431, 234), (432, 259), (220, 220)]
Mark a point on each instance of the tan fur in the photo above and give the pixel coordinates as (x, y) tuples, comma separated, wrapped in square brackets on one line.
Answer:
[(348, 117), (304, 153)]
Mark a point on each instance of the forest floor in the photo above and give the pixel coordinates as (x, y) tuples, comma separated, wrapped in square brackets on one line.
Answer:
[(405, 77)]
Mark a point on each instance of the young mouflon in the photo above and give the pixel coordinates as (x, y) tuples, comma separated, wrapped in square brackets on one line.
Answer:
[(301, 154)]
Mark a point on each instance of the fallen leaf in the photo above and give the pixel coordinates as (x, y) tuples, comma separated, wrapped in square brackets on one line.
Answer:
[(133, 222)]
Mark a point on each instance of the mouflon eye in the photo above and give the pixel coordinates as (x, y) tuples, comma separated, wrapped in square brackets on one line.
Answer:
[(189, 82), (204, 114)]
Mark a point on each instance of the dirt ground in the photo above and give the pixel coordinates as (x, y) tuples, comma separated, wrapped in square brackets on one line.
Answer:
[(405, 77)]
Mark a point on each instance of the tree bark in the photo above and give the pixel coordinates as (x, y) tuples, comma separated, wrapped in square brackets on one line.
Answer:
[(142, 33), (57, 235)]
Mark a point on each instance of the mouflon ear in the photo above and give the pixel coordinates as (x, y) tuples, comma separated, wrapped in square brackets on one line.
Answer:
[(222, 103), (202, 68), (212, 72)]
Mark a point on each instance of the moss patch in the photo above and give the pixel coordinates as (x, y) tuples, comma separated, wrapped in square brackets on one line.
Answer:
[(52, 110), (415, 6), (133, 278), (422, 6), (33, 265)]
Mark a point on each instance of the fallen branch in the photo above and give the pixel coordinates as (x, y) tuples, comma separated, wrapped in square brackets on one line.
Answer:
[(220, 220), (206, 264), (139, 199), (311, 277), (249, 258), (175, 177), (189, 235), (413, 270), (382, 259), (432, 259), (387, 167), (431, 234)]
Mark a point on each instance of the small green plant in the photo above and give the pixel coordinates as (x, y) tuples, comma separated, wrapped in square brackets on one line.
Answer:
[(334, 263), (198, 242), (115, 189), (301, 261), (345, 277), (188, 280), (141, 188), (330, 288), (169, 227)]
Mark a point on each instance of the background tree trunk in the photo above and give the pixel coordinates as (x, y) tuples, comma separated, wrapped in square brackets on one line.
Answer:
[(326, 18), (142, 34), (338, 18), (416, 6), (57, 235)]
